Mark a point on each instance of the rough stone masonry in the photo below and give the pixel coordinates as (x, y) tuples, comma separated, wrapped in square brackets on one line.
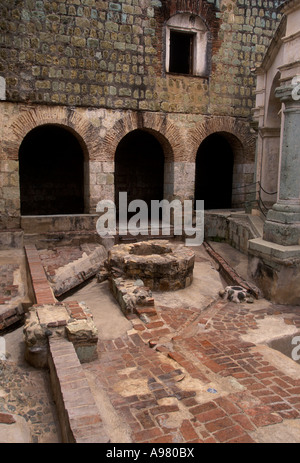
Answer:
[(98, 69)]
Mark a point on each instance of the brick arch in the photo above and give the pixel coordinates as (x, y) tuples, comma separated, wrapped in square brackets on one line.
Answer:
[(202, 8), (242, 143), (206, 10), (166, 133), (66, 118), (84, 132), (237, 132)]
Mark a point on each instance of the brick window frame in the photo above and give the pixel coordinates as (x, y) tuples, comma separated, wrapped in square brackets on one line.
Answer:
[(188, 25)]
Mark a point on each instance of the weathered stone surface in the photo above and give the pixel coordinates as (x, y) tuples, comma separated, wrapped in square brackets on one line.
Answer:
[(160, 265), (110, 54), (82, 331), (76, 272), (129, 294), (47, 315), (276, 270), (70, 321)]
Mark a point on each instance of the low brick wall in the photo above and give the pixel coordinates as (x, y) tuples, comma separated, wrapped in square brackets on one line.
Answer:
[(42, 291), (79, 417), (78, 414)]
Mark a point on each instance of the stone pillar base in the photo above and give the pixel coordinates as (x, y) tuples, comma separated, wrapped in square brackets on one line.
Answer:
[(276, 270), (283, 225)]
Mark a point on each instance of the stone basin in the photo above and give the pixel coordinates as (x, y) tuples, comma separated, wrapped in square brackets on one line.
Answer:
[(161, 265)]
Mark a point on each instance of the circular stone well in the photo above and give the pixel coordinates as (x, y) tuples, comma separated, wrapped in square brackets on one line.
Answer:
[(161, 265)]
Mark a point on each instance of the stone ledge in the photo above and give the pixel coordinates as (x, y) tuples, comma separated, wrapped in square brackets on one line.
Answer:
[(78, 414), (276, 270), (274, 250), (58, 223)]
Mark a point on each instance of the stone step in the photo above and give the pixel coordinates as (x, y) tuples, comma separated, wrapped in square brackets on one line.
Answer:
[(257, 224)]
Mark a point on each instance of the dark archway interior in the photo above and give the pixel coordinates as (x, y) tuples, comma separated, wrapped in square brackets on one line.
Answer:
[(139, 168), (51, 166), (214, 172)]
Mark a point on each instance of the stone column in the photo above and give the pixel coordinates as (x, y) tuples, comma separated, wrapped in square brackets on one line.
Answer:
[(184, 180), (283, 221)]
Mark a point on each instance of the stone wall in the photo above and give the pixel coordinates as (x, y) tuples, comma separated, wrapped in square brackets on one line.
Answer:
[(111, 54), (100, 131), (97, 69)]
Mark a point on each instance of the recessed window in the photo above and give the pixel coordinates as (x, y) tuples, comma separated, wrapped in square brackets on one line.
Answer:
[(181, 52), (187, 39)]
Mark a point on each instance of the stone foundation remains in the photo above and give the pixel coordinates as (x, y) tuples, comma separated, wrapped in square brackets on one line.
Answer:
[(135, 269), (61, 320), (160, 265), (130, 294)]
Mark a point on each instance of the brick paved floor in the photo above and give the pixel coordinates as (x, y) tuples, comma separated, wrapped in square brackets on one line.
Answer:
[(187, 377)]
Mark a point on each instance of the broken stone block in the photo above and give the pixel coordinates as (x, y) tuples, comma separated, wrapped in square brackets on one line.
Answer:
[(129, 296), (102, 275), (78, 271), (10, 314), (40, 323), (60, 320), (84, 336)]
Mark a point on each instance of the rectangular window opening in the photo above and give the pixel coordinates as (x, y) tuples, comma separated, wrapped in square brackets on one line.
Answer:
[(181, 52)]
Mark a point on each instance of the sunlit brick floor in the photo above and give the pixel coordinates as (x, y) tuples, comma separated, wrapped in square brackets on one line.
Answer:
[(188, 375), (164, 393)]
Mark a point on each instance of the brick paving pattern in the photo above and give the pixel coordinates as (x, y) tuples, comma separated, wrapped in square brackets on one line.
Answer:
[(161, 411)]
